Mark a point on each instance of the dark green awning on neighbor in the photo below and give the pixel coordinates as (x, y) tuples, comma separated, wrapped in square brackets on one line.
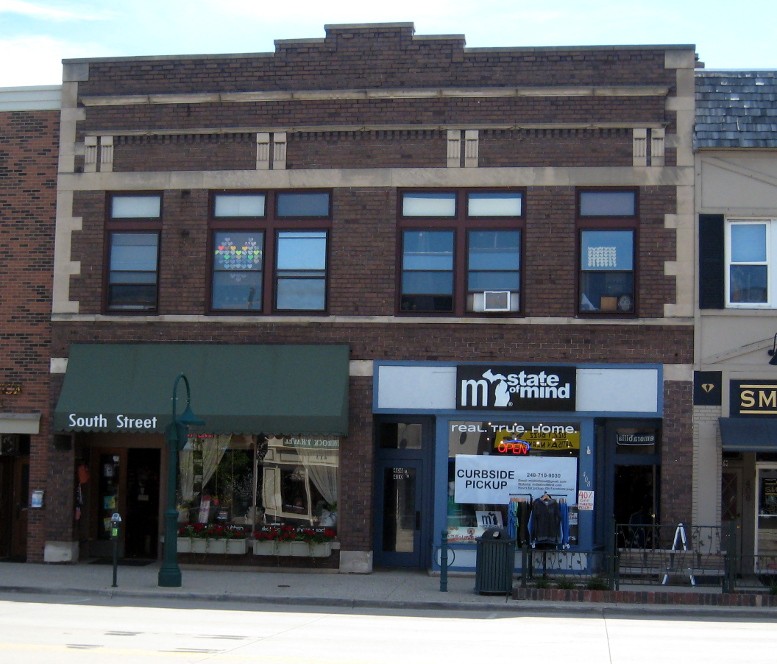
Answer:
[(748, 434), (270, 389)]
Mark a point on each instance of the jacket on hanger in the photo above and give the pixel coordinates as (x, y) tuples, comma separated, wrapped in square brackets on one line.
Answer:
[(545, 521)]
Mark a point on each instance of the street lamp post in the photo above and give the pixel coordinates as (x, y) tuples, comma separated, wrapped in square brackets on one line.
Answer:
[(175, 435)]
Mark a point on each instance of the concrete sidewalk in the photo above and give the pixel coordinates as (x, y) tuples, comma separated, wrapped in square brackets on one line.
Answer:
[(395, 589)]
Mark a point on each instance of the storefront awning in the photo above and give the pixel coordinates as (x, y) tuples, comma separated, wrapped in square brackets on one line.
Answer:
[(272, 389), (748, 434)]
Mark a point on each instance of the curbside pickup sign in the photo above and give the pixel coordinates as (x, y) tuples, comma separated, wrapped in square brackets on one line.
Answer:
[(488, 479), (500, 387)]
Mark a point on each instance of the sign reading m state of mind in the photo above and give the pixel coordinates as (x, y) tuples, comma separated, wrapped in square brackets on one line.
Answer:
[(490, 479)]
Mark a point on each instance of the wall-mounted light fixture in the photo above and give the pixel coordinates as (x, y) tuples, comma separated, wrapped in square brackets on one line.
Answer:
[(773, 351)]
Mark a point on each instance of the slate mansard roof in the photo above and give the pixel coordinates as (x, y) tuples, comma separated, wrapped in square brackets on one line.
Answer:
[(736, 109)]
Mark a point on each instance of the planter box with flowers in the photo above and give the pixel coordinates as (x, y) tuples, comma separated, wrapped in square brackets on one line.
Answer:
[(288, 540), (265, 541), (320, 541), (212, 538)]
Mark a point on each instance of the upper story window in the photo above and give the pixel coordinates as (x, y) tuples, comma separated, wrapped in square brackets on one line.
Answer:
[(301, 271), (134, 225), (299, 204), (238, 269), (750, 246), (136, 207), (287, 231), (607, 224), (461, 251)]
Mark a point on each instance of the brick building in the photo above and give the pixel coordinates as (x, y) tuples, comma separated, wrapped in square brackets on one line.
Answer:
[(412, 287), (29, 133)]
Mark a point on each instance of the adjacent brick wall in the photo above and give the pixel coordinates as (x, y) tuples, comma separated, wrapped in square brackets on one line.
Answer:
[(28, 172), (355, 514), (677, 454)]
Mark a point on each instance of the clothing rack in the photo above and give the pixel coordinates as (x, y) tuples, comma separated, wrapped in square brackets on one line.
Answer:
[(512, 512)]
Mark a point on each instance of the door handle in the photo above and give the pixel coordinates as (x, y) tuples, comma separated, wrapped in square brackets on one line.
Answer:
[(418, 520)]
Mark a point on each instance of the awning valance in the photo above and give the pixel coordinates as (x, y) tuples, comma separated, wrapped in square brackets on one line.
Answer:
[(748, 434), (272, 389)]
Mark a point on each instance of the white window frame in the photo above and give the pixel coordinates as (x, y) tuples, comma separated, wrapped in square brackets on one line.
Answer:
[(771, 274)]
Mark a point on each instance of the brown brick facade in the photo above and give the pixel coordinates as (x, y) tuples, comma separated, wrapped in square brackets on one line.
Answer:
[(364, 114), (365, 222)]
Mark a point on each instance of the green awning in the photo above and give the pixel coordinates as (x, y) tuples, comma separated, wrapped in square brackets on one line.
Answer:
[(272, 389), (748, 434)]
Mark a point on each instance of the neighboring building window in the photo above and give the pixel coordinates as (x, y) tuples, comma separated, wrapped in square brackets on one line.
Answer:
[(251, 228), (749, 244), (466, 256), (607, 224), (133, 253)]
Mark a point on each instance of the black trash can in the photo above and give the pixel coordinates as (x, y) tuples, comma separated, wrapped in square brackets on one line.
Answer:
[(495, 560)]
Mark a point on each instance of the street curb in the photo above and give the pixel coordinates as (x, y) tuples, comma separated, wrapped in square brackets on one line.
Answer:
[(522, 607)]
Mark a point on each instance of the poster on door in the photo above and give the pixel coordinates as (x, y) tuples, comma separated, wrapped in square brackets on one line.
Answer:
[(490, 479)]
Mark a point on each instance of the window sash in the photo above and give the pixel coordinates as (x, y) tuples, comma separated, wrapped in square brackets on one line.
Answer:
[(429, 204), (238, 261), (604, 250), (136, 207), (606, 280), (302, 204), (301, 270), (749, 278), (133, 271), (494, 204), (427, 271), (608, 203), (493, 264), (239, 205)]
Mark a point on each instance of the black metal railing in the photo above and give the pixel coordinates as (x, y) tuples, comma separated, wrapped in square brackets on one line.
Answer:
[(650, 553), (638, 554)]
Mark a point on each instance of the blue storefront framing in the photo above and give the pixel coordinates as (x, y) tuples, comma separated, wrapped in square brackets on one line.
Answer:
[(404, 396)]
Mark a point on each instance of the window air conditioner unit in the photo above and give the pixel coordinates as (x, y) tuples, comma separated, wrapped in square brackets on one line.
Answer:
[(496, 300)]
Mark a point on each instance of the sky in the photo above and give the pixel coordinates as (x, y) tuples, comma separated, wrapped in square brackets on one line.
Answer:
[(35, 36)]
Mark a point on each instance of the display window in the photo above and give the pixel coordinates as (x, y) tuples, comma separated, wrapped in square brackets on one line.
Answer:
[(519, 476), (766, 519), (247, 483)]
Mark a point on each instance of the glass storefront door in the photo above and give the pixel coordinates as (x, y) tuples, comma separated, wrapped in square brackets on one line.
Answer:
[(402, 492), (401, 529)]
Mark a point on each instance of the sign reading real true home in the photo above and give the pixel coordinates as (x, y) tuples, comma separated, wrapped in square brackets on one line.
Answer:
[(525, 388), (753, 397)]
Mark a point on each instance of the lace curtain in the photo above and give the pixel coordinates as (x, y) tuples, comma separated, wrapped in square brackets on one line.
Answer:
[(324, 477), (213, 450)]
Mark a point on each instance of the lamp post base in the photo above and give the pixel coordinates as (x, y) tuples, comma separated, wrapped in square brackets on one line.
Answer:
[(170, 572), (169, 578)]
